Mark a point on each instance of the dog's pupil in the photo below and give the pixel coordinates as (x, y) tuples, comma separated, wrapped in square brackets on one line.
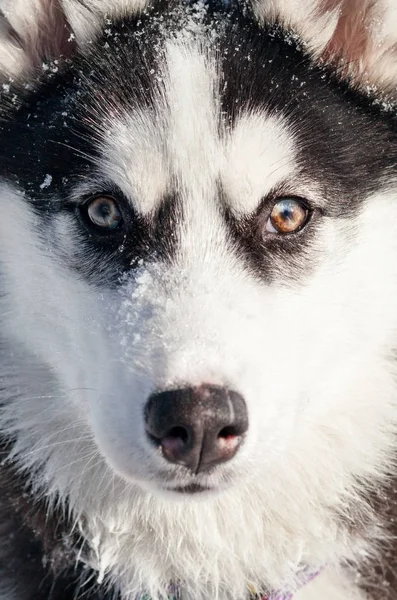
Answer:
[(104, 211)]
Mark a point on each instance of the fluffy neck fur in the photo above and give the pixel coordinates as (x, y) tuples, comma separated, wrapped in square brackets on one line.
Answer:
[(260, 533)]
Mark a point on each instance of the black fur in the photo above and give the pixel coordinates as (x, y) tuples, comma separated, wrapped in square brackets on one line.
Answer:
[(346, 141), (347, 144)]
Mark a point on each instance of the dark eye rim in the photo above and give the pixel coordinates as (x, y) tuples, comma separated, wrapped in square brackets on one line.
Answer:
[(279, 198)]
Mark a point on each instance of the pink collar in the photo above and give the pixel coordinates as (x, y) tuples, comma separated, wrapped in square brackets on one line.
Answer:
[(307, 576)]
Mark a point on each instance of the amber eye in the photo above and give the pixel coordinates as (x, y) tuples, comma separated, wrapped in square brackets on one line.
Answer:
[(289, 215), (104, 212)]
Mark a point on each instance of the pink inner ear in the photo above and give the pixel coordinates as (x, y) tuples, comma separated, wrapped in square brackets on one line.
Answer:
[(50, 37), (352, 38)]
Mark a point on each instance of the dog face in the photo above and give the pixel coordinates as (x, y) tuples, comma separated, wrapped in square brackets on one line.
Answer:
[(190, 201), (202, 206)]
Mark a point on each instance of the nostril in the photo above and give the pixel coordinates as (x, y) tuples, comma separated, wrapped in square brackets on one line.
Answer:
[(228, 432), (178, 433), (174, 443), (229, 438)]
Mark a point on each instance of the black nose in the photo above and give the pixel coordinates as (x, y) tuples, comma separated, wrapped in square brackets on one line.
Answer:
[(198, 427)]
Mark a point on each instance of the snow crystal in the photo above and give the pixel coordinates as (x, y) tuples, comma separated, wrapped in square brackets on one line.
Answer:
[(47, 182)]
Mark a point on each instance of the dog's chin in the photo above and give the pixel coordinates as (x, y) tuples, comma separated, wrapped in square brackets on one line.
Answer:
[(168, 487)]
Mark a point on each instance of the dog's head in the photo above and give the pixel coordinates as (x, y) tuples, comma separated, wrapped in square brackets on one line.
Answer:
[(197, 247)]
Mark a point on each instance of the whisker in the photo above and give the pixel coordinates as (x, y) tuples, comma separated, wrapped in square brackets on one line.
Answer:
[(58, 432), (90, 468), (61, 443), (74, 462), (77, 150)]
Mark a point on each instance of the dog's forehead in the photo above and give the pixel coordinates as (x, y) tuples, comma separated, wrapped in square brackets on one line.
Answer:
[(194, 102), (185, 138), (206, 98)]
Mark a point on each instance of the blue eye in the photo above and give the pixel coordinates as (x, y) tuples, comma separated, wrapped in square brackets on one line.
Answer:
[(288, 215), (104, 212)]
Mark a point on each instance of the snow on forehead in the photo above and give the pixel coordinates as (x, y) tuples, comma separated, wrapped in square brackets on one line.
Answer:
[(180, 140), (192, 94), (177, 140)]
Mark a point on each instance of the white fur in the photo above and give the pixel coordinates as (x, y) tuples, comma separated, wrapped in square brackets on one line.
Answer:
[(85, 22), (331, 584), (312, 360), (256, 140), (306, 17), (309, 435), (362, 34), (195, 153), (39, 28)]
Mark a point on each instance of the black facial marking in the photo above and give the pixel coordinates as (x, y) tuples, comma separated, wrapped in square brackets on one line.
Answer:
[(51, 135), (345, 142), (51, 132), (115, 252), (268, 255)]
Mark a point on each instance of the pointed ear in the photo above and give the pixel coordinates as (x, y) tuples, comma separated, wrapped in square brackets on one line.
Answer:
[(364, 42), (312, 20), (86, 16), (359, 37), (36, 31), (32, 32)]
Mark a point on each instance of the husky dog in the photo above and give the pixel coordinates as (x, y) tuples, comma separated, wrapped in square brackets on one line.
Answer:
[(198, 287)]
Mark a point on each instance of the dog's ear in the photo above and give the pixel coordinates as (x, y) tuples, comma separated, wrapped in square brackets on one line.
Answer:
[(86, 16), (311, 19), (32, 32), (364, 42), (357, 36), (37, 31)]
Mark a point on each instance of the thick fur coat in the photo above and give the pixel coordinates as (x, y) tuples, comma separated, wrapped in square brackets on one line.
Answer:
[(195, 121)]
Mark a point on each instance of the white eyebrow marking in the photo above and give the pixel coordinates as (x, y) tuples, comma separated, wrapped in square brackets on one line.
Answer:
[(259, 154)]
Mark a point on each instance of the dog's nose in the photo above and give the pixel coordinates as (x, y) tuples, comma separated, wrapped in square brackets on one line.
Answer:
[(198, 427)]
